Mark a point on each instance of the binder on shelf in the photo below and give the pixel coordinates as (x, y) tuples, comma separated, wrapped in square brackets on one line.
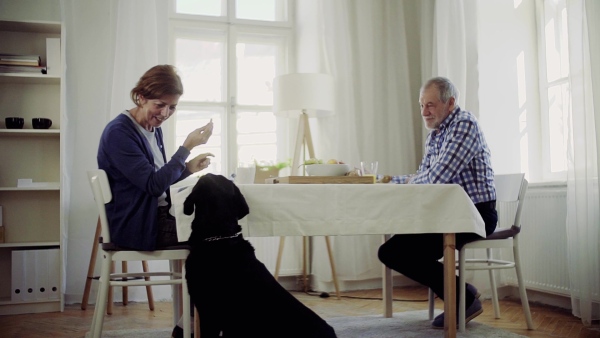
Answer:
[(53, 273), (17, 275), (42, 269), (53, 64), (30, 276)]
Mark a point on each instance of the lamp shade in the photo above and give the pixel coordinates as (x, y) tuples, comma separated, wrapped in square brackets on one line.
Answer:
[(303, 92)]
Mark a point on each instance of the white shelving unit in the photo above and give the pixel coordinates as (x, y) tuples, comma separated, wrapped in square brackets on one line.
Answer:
[(32, 215)]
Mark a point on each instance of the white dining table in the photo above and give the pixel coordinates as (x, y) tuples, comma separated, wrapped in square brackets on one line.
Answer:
[(357, 209)]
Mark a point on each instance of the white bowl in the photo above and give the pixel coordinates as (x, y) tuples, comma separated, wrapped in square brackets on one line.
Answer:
[(327, 169)]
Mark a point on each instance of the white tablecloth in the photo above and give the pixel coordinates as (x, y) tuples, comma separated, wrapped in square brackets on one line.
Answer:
[(347, 209), (357, 209)]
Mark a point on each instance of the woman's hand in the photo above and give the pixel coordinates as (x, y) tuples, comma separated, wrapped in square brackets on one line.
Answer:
[(199, 162), (198, 136)]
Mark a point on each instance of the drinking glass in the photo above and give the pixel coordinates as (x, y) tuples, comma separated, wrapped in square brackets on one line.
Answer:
[(369, 169), (245, 173)]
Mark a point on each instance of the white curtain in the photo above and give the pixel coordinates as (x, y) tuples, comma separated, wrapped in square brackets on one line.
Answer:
[(363, 45), (454, 49), (108, 45), (583, 219), (380, 52)]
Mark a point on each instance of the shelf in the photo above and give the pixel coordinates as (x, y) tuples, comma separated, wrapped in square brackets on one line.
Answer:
[(30, 132), (48, 27), (46, 245), (8, 307), (48, 186), (32, 213), (29, 78)]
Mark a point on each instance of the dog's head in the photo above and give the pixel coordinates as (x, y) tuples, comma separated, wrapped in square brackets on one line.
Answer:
[(218, 205)]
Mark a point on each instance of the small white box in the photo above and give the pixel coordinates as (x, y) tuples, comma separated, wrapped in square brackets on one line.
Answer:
[(24, 182), (53, 64)]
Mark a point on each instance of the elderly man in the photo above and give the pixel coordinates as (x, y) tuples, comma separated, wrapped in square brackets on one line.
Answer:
[(456, 152)]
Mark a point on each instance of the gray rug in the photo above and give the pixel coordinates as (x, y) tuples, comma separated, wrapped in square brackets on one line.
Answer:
[(413, 324)]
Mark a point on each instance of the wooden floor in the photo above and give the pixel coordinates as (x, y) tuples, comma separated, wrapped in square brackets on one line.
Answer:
[(74, 322)]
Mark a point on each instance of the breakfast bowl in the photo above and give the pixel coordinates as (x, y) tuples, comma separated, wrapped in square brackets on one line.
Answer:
[(327, 169), (41, 123), (14, 122)]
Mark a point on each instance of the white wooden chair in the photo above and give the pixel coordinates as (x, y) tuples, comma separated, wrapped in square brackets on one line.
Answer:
[(112, 253), (509, 188)]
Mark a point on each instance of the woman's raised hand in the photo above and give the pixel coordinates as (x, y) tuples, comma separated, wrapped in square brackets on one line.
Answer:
[(198, 136)]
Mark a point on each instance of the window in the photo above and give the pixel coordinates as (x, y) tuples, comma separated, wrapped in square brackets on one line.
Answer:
[(554, 87), (227, 53)]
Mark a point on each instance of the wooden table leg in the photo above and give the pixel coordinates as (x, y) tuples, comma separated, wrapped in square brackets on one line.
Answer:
[(449, 286), (387, 288)]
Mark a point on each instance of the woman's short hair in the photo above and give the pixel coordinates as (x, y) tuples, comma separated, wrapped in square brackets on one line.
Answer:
[(157, 82)]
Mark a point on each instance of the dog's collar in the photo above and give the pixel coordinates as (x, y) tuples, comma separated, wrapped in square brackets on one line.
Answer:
[(217, 238)]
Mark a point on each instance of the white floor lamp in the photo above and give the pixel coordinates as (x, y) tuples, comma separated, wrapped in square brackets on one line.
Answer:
[(304, 95)]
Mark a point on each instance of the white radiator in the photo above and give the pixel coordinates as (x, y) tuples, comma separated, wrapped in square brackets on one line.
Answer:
[(543, 240)]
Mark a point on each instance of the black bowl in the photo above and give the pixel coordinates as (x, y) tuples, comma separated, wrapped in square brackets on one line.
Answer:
[(14, 122), (41, 123)]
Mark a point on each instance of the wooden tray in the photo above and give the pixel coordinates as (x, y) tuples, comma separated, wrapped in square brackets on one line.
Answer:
[(321, 180)]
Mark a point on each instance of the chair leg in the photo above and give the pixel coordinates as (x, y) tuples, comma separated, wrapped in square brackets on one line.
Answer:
[(431, 299), (102, 298), (332, 264), (522, 290), (187, 328), (111, 298), (279, 254), (305, 258), (125, 294), (148, 287), (91, 267), (492, 275), (196, 322)]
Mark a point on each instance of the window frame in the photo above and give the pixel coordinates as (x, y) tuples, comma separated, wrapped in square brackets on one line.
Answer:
[(235, 29), (544, 86)]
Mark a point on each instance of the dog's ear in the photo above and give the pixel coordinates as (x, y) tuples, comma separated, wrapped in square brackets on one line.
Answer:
[(193, 198), (241, 206)]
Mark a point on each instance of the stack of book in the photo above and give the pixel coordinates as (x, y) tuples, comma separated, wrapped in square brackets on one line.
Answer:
[(10, 63)]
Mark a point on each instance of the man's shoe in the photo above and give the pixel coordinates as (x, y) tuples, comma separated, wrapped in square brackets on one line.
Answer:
[(473, 290), (471, 312), (178, 332)]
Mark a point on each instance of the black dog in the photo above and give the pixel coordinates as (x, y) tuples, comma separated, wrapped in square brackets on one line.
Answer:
[(236, 296)]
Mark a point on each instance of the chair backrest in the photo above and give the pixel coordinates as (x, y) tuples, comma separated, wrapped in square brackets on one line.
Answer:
[(102, 195), (512, 188)]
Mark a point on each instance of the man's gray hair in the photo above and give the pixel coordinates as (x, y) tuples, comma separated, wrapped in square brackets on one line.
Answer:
[(445, 87)]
